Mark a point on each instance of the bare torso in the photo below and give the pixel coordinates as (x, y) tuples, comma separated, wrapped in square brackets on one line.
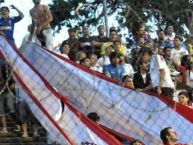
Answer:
[(41, 15)]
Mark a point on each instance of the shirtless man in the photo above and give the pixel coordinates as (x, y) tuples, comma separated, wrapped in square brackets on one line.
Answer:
[(41, 18)]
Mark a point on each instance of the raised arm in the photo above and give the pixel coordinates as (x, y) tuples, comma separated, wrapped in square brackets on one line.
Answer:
[(19, 12)]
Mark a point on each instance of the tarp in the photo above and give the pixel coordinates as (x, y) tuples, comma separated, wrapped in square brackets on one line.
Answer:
[(130, 112), (69, 127)]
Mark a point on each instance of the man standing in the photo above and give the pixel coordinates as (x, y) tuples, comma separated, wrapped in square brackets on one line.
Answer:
[(7, 23), (41, 18), (160, 76)]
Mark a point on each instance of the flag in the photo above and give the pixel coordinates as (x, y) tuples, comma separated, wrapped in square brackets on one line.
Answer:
[(135, 114), (69, 127)]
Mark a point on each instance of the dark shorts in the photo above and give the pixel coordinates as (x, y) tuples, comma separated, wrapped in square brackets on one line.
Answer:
[(166, 92), (7, 104), (24, 113)]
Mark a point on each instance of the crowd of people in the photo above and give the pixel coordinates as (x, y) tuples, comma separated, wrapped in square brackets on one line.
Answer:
[(163, 65)]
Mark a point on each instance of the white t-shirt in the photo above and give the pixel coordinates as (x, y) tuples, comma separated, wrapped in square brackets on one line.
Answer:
[(177, 55), (128, 69), (189, 78), (156, 64), (104, 60)]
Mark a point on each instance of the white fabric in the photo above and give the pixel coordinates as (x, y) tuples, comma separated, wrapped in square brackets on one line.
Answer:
[(132, 113), (157, 63), (104, 60), (70, 123), (177, 55), (49, 38), (189, 78), (128, 70)]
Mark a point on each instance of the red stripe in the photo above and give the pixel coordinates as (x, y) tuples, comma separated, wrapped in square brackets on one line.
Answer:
[(96, 128), (113, 132), (32, 96), (108, 138), (179, 108)]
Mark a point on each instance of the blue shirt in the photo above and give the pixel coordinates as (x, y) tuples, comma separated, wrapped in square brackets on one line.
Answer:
[(115, 72), (7, 26)]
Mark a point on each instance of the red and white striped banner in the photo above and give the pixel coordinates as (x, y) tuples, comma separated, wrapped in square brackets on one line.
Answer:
[(135, 114)]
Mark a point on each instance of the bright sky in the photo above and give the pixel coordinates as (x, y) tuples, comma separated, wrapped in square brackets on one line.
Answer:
[(21, 27)]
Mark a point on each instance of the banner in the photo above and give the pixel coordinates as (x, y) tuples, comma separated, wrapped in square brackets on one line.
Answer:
[(45, 103), (130, 112)]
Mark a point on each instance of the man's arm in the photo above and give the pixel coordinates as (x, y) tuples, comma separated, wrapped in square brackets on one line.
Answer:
[(32, 30), (19, 12), (162, 76)]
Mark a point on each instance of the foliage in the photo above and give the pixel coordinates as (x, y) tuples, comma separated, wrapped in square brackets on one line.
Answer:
[(178, 13)]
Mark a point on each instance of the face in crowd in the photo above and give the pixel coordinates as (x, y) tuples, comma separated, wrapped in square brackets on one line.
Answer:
[(37, 2), (170, 30), (5, 12)]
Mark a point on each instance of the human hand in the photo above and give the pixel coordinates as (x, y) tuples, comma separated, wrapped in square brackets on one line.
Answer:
[(159, 91), (13, 6)]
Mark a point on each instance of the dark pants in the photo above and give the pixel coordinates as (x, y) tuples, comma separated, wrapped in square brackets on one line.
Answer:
[(166, 92)]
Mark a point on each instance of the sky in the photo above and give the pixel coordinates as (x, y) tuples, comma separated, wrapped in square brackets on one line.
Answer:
[(21, 27)]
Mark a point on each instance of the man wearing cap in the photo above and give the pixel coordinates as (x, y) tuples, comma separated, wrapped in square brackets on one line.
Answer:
[(7, 23)]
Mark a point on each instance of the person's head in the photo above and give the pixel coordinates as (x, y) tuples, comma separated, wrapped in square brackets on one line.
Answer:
[(161, 34), (85, 61), (127, 81), (101, 30), (167, 52), (85, 31), (168, 135), (141, 41), (114, 58), (176, 76), (94, 117), (117, 45), (146, 55), (169, 29), (122, 58), (37, 2), (178, 40), (185, 61), (143, 66), (113, 36), (183, 98), (65, 47), (141, 29), (80, 55), (135, 142), (108, 49), (5, 11), (93, 59), (72, 33)]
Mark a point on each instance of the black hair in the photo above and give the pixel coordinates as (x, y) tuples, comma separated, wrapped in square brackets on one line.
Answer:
[(113, 55), (93, 116), (163, 134), (62, 45), (5, 7), (83, 59), (179, 37), (72, 30)]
